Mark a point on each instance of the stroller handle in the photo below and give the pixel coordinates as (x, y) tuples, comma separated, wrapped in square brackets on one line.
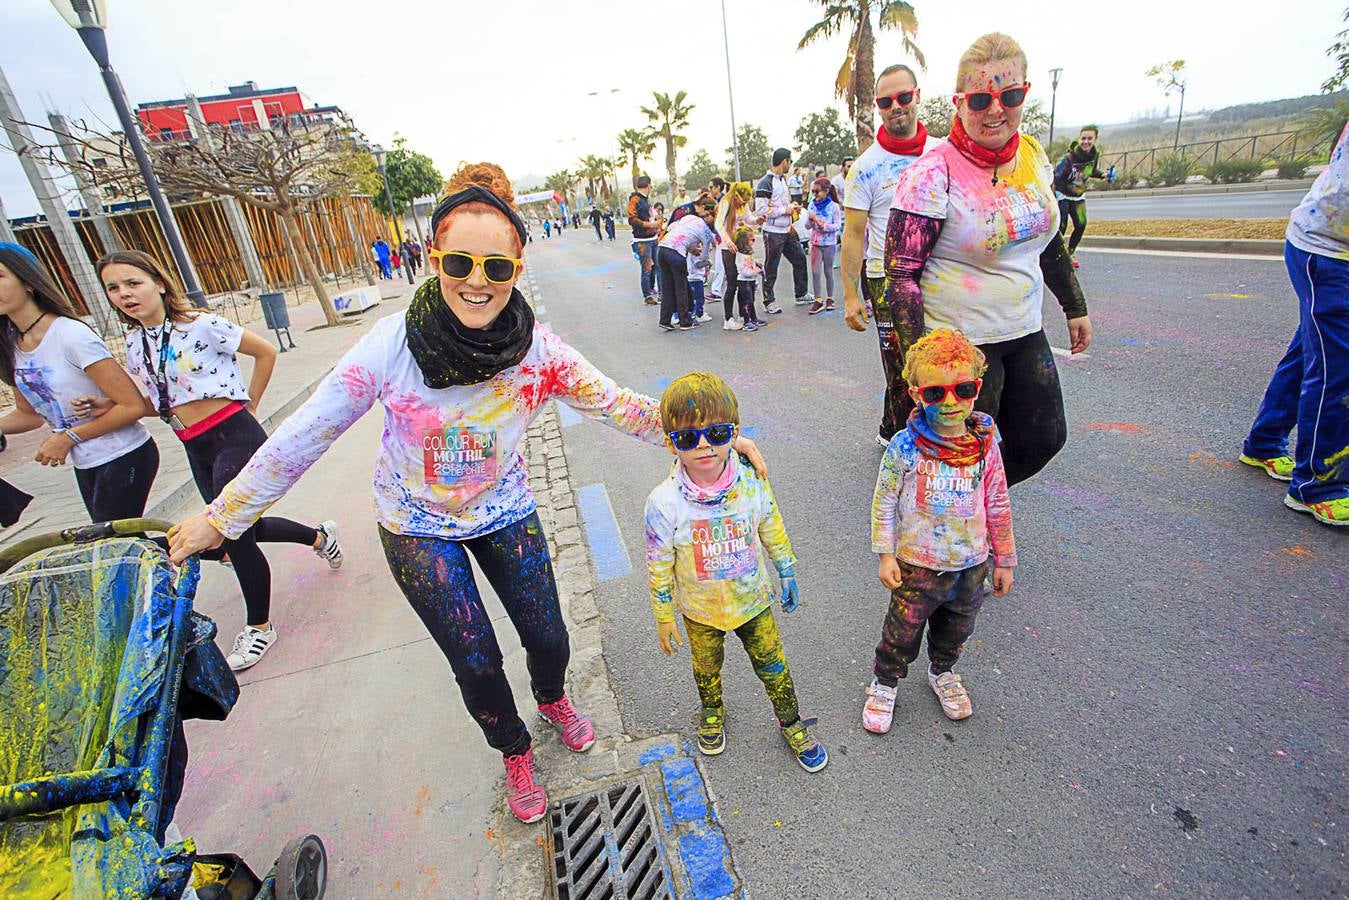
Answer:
[(17, 552)]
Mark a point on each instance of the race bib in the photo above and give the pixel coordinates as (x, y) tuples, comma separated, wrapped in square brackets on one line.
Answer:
[(465, 455), (944, 490), (723, 548), (1023, 215)]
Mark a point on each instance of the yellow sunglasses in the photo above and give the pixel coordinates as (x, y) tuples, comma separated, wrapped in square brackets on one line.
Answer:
[(459, 266)]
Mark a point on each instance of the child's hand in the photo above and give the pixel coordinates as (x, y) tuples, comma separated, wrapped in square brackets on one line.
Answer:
[(1002, 581), (791, 595), (668, 635), (889, 571)]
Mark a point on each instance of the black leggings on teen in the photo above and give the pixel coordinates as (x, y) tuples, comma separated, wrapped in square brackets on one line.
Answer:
[(120, 488), (731, 280), (435, 576), (1074, 211), (674, 287), (215, 457)]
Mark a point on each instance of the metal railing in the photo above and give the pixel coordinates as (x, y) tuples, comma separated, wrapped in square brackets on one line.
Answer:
[(1273, 146)]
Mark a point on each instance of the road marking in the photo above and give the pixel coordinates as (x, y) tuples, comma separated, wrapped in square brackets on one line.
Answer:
[(1068, 354), (1183, 253), (607, 551), (566, 415)]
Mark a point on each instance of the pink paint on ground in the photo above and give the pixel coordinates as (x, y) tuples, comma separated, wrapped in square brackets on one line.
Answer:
[(1125, 427)]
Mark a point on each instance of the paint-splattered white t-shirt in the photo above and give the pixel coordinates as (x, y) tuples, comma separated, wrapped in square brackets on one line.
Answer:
[(52, 376), (1320, 223), (871, 188), (199, 361), (983, 276), (449, 463)]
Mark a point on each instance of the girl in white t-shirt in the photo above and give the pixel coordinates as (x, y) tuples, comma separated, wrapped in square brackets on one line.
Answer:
[(185, 360), (51, 357)]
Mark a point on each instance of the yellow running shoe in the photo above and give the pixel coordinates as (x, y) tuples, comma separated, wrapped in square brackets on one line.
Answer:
[(1279, 468), (1329, 512)]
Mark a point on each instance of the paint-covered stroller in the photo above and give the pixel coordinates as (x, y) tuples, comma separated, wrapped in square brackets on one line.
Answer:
[(101, 657)]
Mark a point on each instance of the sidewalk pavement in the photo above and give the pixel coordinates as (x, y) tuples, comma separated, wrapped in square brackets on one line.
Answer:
[(57, 502)]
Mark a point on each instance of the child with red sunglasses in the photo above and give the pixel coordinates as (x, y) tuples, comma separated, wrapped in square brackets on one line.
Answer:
[(939, 512)]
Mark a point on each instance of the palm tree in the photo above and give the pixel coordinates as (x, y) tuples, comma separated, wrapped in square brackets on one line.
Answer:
[(595, 169), (635, 144), (561, 183), (670, 115), (856, 78)]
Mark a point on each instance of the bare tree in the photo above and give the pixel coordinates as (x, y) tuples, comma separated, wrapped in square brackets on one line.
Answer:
[(282, 168)]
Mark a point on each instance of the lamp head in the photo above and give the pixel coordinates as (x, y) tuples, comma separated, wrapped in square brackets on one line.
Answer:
[(378, 153), (83, 13)]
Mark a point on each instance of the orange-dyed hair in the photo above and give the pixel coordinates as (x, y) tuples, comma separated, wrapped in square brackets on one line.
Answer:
[(940, 348), (486, 175)]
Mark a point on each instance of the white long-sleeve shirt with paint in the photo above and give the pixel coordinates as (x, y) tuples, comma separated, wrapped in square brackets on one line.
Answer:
[(449, 464)]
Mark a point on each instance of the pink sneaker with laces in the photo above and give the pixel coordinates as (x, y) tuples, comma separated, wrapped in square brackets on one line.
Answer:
[(575, 729), (525, 796)]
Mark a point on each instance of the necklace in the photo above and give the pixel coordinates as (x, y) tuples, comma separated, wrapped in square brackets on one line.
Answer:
[(23, 332)]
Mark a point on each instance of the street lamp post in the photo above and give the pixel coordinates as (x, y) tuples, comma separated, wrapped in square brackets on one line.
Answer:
[(735, 137), (1053, 102), (379, 154), (89, 18)]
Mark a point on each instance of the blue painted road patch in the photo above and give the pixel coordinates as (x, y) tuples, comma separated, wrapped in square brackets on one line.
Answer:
[(606, 543)]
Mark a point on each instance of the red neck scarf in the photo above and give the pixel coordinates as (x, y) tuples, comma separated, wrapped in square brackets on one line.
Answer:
[(979, 153), (901, 147)]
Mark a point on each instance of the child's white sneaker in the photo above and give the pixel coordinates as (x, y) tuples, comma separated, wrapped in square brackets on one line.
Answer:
[(879, 711), (955, 701), (731, 324)]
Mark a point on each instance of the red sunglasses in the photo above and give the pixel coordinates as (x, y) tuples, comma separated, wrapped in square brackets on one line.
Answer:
[(1010, 98), (936, 393), (903, 98)]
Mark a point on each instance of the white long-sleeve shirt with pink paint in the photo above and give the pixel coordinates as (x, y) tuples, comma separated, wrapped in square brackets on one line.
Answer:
[(938, 516), (449, 464)]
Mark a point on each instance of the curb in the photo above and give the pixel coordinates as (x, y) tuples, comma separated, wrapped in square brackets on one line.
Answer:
[(1292, 184), (1244, 246)]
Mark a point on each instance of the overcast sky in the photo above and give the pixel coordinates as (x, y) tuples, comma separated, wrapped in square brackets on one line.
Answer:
[(509, 80)]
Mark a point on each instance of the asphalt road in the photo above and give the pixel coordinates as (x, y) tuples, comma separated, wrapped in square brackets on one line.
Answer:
[(1240, 205), (1159, 705)]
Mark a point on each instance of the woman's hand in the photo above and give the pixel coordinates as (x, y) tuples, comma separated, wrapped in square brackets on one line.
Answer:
[(193, 536), (668, 635), (54, 450), (91, 407), (1079, 333), (748, 449), (889, 571)]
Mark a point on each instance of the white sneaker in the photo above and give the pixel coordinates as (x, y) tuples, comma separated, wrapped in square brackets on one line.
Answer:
[(704, 318), (331, 548), (879, 710), (250, 646), (773, 307), (955, 701), (731, 324), (882, 442)]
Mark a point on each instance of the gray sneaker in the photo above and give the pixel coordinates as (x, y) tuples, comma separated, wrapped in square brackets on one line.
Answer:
[(773, 308)]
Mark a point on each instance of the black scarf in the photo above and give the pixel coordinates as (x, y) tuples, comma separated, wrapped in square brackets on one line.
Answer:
[(449, 353), (1081, 156)]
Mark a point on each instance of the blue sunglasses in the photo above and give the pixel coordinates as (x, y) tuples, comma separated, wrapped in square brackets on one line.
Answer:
[(717, 435)]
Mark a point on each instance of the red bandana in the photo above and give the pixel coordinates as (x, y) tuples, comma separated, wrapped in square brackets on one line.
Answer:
[(979, 153), (900, 147)]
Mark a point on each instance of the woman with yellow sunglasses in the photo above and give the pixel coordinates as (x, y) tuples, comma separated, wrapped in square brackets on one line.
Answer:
[(460, 375)]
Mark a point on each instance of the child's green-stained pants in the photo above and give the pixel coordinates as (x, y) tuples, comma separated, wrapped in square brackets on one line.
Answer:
[(764, 646)]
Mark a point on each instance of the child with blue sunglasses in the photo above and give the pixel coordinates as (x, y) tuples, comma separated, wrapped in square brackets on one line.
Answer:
[(709, 525)]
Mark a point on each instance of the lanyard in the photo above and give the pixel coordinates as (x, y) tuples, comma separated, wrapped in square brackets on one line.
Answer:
[(160, 378)]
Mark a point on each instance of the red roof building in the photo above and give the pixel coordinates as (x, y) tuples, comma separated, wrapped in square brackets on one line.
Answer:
[(245, 108)]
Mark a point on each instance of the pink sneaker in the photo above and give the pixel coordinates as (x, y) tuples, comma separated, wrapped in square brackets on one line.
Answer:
[(575, 729), (525, 796), (879, 711)]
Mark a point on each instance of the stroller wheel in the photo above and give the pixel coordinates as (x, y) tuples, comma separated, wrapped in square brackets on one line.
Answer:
[(302, 869)]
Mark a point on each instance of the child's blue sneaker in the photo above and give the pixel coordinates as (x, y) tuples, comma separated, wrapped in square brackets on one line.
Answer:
[(810, 753)]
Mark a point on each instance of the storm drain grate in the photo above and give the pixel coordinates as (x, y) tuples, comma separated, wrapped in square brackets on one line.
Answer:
[(605, 846)]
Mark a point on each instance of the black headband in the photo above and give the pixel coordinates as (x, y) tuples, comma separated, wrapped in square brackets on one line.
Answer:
[(476, 193)]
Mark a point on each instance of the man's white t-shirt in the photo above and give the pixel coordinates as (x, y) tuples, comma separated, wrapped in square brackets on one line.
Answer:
[(871, 188)]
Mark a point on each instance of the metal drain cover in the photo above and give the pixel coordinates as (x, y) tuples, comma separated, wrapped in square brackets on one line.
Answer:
[(605, 846)]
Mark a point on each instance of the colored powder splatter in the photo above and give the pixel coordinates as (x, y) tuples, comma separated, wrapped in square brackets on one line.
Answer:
[(1125, 427)]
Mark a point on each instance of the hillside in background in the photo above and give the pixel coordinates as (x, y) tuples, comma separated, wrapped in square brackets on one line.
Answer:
[(1209, 125)]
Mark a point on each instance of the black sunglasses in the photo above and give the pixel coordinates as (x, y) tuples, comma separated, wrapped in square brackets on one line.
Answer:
[(903, 98), (1010, 98), (936, 393), (717, 435)]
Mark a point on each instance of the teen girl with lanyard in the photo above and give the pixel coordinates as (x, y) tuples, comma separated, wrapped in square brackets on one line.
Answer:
[(971, 245), (185, 358), (53, 358), (460, 375)]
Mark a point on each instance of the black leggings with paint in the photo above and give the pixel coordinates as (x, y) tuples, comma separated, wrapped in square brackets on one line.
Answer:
[(730, 282), (1076, 212), (674, 286), (215, 457), (120, 488), (435, 576)]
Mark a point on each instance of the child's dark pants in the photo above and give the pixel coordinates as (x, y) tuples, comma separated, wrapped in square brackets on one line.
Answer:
[(946, 602)]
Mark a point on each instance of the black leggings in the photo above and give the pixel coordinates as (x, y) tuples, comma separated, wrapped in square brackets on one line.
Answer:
[(120, 488), (730, 281), (1075, 210), (215, 457), (435, 576), (674, 286)]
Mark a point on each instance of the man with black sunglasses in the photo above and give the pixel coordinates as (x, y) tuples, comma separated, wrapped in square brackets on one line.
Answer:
[(866, 210)]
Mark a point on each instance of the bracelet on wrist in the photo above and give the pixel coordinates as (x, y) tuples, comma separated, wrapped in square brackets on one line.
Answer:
[(70, 433)]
